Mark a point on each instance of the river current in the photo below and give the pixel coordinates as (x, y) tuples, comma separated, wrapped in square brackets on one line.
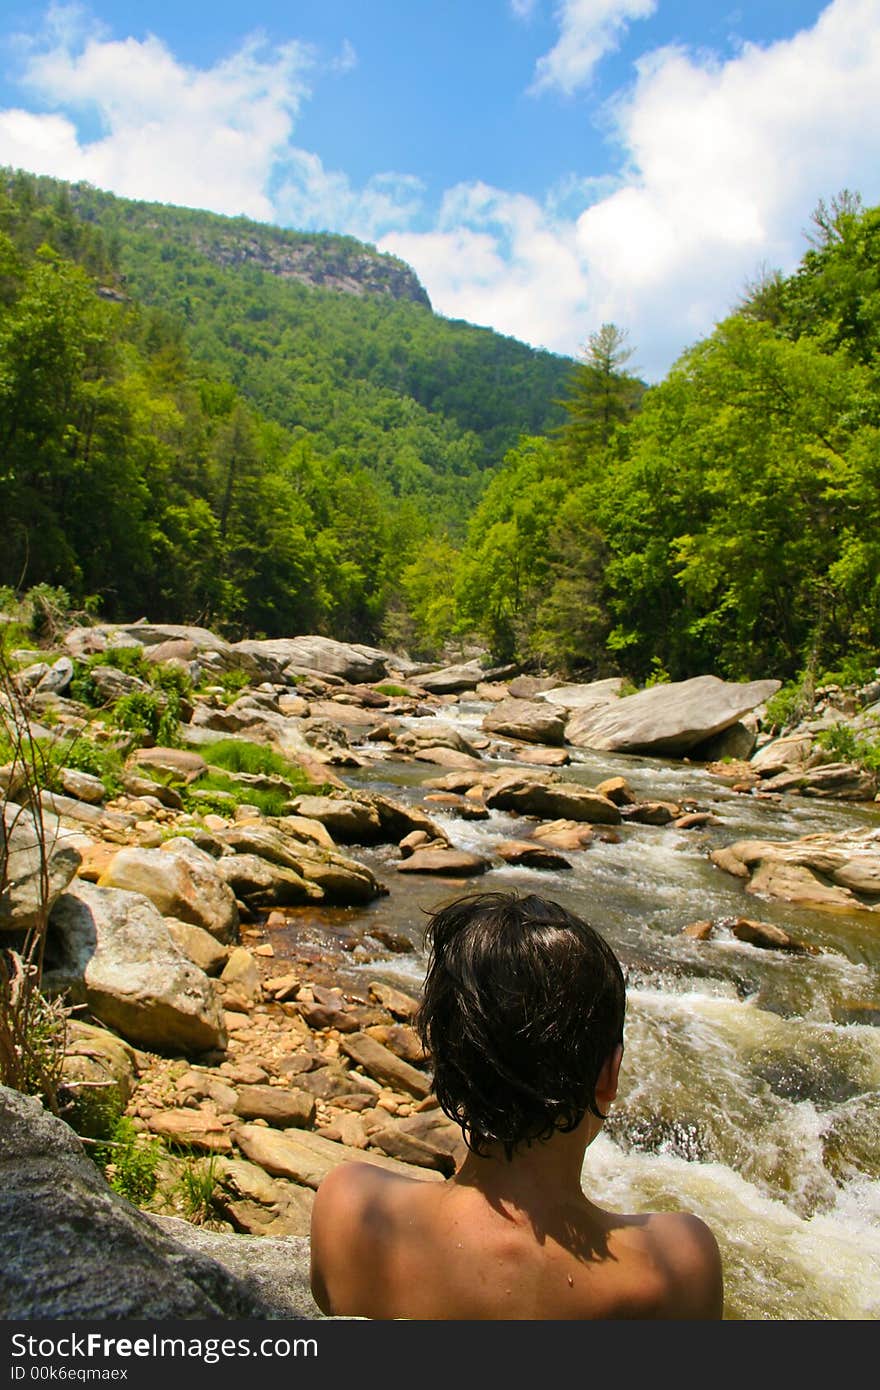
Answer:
[(750, 1087)]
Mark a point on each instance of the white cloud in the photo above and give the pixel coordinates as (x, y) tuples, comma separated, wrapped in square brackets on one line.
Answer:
[(497, 259), (200, 137), (588, 30), (723, 162), (310, 197)]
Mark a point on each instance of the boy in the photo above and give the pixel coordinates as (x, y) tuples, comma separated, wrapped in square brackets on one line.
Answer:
[(522, 1017)]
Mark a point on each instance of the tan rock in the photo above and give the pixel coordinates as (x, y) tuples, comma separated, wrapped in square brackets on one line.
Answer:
[(308, 1158), (198, 945), (192, 1129), (384, 1066), (457, 862), (279, 1106), (531, 855), (396, 1001), (182, 881)]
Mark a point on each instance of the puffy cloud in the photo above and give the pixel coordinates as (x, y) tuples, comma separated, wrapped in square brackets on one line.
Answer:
[(588, 30), (203, 138), (723, 162)]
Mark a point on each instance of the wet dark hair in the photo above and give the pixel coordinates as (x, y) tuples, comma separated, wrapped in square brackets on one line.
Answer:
[(523, 1004)]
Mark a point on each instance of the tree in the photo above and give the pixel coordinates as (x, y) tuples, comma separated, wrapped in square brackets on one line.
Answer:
[(602, 396)]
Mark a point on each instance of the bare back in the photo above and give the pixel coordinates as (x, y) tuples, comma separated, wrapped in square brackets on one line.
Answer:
[(388, 1247)]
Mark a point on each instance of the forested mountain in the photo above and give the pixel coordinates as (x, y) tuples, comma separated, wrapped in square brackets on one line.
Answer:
[(191, 429), (259, 427)]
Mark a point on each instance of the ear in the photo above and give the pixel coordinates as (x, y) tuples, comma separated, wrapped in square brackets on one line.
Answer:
[(606, 1082)]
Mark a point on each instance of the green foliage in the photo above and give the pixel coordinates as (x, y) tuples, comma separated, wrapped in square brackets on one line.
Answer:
[(197, 1187), (658, 675), (390, 689), (98, 759), (129, 1161), (237, 755), (147, 715), (793, 702), (214, 792), (232, 683), (847, 746)]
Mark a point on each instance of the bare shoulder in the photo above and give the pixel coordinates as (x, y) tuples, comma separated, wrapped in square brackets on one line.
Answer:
[(351, 1216), (687, 1251)]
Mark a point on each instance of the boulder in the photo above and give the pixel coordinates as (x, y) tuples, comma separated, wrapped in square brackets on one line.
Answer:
[(351, 662), (182, 880), (198, 945), (530, 855), (82, 785), (192, 1129), (41, 861), (460, 863), (112, 951), (557, 800), (668, 719), (836, 872), (57, 678), (262, 884), (590, 695), (258, 1205), (431, 734), (835, 781), (59, 1218), (348, 820), (451, 678), (307, 1158), (280, 1107), (533, 721)]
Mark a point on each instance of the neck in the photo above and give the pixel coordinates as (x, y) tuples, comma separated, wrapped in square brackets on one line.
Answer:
[(545, 1167)]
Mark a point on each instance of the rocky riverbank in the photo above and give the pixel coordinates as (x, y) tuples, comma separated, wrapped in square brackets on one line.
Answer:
[(247, 1068)]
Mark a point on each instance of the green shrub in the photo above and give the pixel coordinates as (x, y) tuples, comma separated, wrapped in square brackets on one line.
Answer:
[(132, 1166), (792, 703), (846, 746), (84, 755), (150, 715), (854, 670), (197, 1187), (271, 801)]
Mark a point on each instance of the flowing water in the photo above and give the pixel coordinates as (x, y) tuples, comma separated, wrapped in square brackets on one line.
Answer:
[(750, 1087)]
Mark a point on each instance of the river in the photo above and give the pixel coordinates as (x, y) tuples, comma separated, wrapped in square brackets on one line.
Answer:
[(750, 1087)]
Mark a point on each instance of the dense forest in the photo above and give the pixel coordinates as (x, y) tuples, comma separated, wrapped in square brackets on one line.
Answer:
[(207, 419)]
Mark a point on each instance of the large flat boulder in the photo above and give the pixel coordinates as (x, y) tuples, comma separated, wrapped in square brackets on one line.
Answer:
[(307, 1158), (552, 800), (74, 1249), (112, 951), (350, 661), (667, 719)]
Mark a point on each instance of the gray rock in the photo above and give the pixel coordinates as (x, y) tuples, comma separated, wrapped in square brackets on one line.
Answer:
[(40, 863), (75, 1249), (112, 951), (349, 661), (668, 719), (57, 678), (592, 695), (182, 880), (530, 720)]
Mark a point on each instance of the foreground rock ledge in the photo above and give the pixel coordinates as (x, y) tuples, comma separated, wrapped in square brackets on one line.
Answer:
[(74, 1249)]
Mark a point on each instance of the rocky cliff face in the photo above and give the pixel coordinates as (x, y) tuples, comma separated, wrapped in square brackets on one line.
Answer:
[(325, 262)]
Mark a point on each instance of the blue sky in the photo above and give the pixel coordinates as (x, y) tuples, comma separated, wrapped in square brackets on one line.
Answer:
[(544, 165)]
